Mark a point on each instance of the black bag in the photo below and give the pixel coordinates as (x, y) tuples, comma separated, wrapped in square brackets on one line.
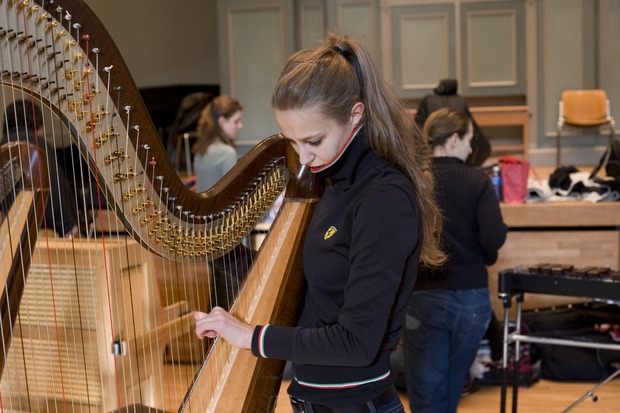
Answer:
[(610, 160), (576, 323), (578, 364)]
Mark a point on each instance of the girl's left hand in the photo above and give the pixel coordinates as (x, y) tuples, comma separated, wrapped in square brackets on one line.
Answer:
[(220, 323)]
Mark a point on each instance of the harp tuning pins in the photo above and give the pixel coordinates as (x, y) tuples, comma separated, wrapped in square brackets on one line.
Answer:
[(41, 17), (22, 4), (69, 44), (50, 25), (88, 71), (60, 34)]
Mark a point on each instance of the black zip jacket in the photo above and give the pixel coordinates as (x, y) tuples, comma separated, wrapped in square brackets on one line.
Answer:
[(361, 254), (473, 228)]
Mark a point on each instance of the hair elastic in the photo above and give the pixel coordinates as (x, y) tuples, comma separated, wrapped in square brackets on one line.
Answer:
[(351, 57)]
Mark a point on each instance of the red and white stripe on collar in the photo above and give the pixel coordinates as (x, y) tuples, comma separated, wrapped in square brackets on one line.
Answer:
[(316, 169)]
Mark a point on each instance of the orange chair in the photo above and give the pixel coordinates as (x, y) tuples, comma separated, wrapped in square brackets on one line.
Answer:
[(587, 108)]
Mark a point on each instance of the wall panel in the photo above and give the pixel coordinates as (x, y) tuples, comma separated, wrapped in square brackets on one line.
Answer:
[(562, 55), (256, 38), (423, 35), (502, 69), (492, 47), (311, 23), (422, 48), (357, 18), (609, 76)]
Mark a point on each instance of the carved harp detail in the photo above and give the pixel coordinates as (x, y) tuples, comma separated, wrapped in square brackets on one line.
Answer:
[(58, 54)]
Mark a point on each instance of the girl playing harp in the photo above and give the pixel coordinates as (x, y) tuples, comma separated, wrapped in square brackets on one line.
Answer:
[(376, 221)]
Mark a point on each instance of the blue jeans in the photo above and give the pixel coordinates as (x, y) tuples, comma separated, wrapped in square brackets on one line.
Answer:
[(442, 333)]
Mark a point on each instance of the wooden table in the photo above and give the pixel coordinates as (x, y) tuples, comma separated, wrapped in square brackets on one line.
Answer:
[(561, 214)]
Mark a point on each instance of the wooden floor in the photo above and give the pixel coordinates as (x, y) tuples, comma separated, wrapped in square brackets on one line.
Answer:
[(542, 397)]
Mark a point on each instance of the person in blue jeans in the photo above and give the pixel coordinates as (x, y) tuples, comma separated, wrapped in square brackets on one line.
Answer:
[(450, 307)]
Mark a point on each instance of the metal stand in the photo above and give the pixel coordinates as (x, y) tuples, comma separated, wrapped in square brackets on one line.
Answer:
[(514, 283), (188, 154), (517, 353), (590, 393), (506, 299)]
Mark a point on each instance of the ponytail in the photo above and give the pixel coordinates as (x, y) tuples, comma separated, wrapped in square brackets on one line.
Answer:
[(336, 75)]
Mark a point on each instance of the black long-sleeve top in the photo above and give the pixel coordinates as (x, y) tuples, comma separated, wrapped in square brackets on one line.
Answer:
[(473, 228), (361, 254)]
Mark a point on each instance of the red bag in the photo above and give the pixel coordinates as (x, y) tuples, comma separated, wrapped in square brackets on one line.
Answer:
[(514, 179)]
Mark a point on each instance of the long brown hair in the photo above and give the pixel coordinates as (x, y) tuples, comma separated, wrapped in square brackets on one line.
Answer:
[(336, 75), (209, 129)]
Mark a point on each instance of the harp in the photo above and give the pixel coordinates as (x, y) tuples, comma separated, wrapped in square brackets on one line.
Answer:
[(96, 330)]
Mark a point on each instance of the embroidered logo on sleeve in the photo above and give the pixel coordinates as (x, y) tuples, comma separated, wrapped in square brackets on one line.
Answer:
[(330, 231)]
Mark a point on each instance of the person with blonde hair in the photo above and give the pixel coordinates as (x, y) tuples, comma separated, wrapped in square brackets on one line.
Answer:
[(214, 151), (374, 224), (451, 308)]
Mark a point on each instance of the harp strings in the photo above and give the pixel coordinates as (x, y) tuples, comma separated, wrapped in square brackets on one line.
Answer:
[(58, 69), (116, 302), (27, 131)]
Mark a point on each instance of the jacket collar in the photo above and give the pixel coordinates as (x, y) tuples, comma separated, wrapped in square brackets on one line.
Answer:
[(342, 172)]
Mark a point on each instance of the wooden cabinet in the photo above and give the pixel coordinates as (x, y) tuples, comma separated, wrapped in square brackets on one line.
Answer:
[(517, 115)]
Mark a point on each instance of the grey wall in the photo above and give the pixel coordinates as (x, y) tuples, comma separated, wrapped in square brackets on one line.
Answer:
[(166, 43), (542, 48)]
